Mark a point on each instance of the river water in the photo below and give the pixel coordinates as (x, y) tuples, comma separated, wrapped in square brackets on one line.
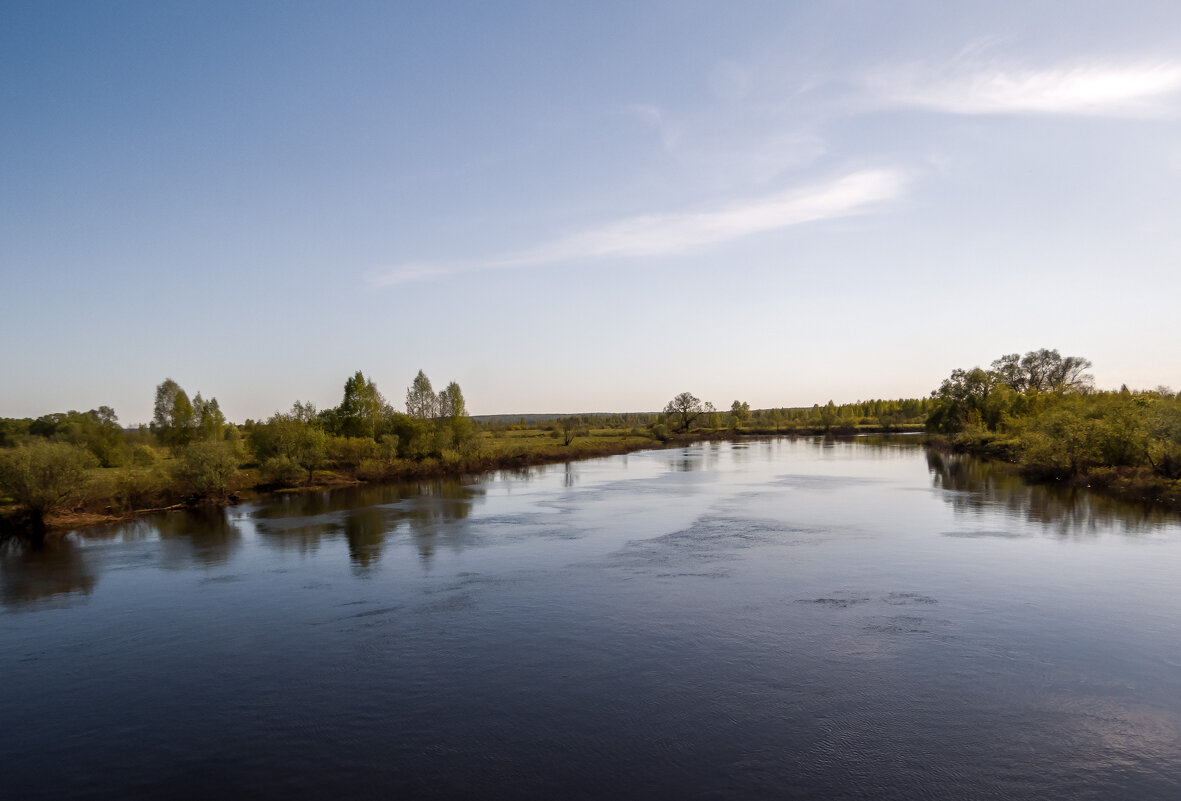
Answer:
[(776, 619)]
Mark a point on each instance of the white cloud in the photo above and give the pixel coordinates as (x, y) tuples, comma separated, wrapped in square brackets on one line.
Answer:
[(657, 235), (970, 86), (747, 145)]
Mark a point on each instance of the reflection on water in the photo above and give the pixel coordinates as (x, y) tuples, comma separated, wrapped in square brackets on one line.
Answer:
[(205, 536), (56, 574), (800, 618), (367, 516), (975, 487)]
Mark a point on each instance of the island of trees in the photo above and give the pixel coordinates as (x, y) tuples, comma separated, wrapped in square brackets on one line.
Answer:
[(1039, 411)]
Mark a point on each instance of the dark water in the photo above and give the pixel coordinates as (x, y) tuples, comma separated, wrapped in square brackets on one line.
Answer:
[(766, 620)]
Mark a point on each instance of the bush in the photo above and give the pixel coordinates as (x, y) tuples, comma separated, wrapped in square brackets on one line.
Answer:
[(373, 469), (207, 468), (347, 453), (141, 488), (44, 476), (281, 471), (143, 456)]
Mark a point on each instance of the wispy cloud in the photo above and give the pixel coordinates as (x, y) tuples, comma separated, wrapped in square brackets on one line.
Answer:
[(657, 235), (972, 86)]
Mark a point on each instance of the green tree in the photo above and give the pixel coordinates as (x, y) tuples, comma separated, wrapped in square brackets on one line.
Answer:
[(684, 409), (43, 477), (97, 430), (459, 430), (421, 401), (361, 408), (829, 415), (739, 414), (208, 420), (291, 441), (961, 400), (165, 401), (174, 420), (207, 468), (1043, 371)]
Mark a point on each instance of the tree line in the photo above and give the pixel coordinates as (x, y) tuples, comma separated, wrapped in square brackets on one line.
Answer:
[(190, 451), (1042, 411)]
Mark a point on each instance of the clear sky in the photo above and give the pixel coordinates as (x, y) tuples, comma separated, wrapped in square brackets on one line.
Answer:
[(581, 207)]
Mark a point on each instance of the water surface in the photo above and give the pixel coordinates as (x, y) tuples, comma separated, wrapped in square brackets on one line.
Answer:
[(790, 619)]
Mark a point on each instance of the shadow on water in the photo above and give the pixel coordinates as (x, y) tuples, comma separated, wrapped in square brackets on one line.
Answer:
[(974, 486), (56, 575), (205, 536), (368, 516)]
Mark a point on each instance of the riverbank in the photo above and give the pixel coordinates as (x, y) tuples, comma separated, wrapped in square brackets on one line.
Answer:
[(107, 500), (1132, 484)]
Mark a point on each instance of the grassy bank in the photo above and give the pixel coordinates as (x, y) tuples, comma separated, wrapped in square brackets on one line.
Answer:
[(117, 494)]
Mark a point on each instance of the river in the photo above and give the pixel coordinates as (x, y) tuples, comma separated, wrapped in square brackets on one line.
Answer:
[(801, 618)]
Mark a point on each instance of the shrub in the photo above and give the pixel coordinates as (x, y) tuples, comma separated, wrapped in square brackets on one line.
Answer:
[(373, 469), (347, 453), (44, 476), (207, 467), (143, 456), (281, 471), (141, 488)]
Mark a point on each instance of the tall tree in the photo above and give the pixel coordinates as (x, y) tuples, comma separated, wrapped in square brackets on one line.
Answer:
[(360, 411), (162, 411), (739, 413), (173, 417), (207, 418), (451, 403), (421, 401)]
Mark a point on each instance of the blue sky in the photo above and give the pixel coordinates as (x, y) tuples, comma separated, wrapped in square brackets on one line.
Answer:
[(581, 207)]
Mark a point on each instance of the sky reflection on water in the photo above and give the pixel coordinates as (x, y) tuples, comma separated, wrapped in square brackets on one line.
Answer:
[(807, 618)]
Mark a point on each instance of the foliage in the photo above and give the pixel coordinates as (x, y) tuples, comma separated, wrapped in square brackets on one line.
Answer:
[(281, 471), (143, 456), (44, 476), (1043, 371), (293, 438), (361, 408), (97, 430), (1041, 411), (141, 487), (12, 430), (1013, 387), (177, 421), (686, 408), (347, 453), (739, 414), (208, 421), (207, 468), (421, 401)]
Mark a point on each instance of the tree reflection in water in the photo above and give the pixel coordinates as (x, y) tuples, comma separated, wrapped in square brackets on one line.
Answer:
[(57, 574), (974, 485), (206, 536), (368, 516)]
